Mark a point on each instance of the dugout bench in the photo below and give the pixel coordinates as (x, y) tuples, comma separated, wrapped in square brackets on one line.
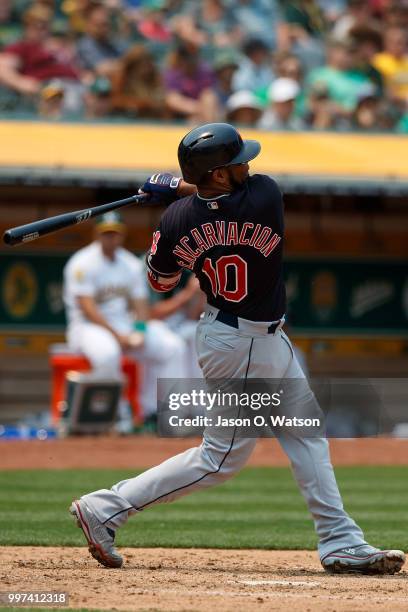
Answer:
[(63, 360)]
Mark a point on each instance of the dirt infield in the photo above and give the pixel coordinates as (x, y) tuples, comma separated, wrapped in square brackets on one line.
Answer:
[(146, 451), (199, 580), (193, 580)]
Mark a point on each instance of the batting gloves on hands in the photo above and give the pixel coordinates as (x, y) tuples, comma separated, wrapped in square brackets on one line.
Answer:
[(162, 188)]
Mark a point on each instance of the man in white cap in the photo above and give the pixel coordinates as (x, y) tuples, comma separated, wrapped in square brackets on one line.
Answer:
[(280, 114), (105, 292), (243, 108)]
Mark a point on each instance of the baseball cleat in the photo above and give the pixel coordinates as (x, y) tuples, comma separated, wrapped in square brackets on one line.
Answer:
[(101, 539), (363, 559)]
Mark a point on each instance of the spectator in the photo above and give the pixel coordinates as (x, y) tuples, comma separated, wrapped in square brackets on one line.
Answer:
[(98, 99), (97, 50), (332, 10), (30, 62), (378, 7), (104, 293), (63, 44), (343, 81), (181, 312), (208, 24), (396, 14), (189, 85), (366, 113), (301, 31), (357, 15), (393, 63), (53, 5), (373, 114), (402, 125), (306, 16), (321, 111), (75, 41), (367, 43), (285, 65), (257, 18), (153, 24), (51, 104), (288, 65), (243, 108), (10, 26), (255, 71), (280, 115), (225, 65), (133, 5), (137, 86), (76, 12)]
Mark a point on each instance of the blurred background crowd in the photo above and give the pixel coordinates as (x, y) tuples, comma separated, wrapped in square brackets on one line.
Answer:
[(271, 64)]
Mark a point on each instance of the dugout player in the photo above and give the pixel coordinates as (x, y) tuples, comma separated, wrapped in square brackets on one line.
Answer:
[(180, 312), (228, 228), (105, 292)]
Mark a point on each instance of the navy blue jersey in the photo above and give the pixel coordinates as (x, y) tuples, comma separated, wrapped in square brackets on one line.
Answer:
[(233, 243)]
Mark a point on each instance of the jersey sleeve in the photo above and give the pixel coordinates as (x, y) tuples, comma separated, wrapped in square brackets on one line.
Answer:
[(79, 280), (163, 271)]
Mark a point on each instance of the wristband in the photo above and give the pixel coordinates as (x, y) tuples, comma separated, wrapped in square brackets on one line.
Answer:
[(139, 326)]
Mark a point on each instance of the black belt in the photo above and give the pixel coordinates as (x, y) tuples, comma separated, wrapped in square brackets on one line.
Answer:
[(232, 320)]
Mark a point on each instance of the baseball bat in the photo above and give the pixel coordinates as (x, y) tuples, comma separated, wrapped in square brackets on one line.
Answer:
[(32, 231)]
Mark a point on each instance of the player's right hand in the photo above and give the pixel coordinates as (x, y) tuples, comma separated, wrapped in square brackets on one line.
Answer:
[(124, 341), (162, 188)]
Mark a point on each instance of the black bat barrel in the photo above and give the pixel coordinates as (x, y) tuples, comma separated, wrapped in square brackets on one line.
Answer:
[(32, 231)]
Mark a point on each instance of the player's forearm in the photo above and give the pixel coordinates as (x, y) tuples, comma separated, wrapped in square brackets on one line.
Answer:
[(141, 309), (167, 307), (181, 104), (92, 313), (11, 78), (8, 76)]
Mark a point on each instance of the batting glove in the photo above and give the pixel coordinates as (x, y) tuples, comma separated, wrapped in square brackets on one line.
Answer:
[(162, 188)]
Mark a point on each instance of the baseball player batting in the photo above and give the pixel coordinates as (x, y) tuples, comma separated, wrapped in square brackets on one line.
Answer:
[(227, 227)]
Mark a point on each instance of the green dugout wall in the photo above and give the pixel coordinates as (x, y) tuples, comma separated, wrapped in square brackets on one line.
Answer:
[(325, 295)]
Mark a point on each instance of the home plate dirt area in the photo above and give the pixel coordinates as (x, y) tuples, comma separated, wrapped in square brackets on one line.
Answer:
[(180, 580)]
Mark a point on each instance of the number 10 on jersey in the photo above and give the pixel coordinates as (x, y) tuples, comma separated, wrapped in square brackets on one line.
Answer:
[(218, 277)]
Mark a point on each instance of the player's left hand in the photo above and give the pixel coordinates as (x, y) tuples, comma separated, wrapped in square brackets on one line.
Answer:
[(136, 339), (162, 188)]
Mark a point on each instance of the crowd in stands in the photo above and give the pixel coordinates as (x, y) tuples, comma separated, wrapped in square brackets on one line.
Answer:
[(271, 64)]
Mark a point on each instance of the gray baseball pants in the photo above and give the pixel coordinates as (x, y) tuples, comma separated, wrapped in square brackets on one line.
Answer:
[(247, 352)]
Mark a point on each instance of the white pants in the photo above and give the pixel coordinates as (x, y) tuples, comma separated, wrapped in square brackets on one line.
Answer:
[(186, 329), (225, 352), (162, 355)]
